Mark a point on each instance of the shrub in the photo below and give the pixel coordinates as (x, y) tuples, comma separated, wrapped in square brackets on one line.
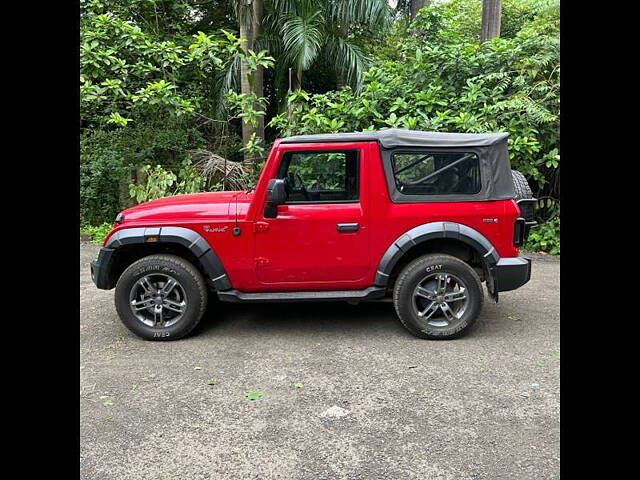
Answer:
[(545, 237), (102, 169), (98, 233), (164, 183)]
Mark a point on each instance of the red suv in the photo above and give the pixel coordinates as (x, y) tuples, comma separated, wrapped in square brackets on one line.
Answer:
[(423, 217)]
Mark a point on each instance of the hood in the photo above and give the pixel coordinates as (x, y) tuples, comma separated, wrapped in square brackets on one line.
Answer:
[(209, 205)]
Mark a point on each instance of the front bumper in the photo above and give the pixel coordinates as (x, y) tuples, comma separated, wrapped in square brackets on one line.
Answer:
[(511, 273), (101, 269)]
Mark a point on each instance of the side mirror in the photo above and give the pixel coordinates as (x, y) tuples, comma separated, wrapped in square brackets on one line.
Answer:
[(276, 195)]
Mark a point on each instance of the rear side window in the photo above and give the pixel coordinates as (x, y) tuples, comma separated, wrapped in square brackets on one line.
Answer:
[(437, 173)]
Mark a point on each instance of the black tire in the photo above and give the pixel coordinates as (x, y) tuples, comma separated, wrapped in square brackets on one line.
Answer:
[(189, 280), (520, 185), (425, 267)]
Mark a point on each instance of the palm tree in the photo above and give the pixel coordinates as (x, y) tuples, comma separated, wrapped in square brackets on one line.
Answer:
[(298, 32)]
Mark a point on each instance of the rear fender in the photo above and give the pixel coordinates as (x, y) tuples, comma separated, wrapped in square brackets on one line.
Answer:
[(435, 230)]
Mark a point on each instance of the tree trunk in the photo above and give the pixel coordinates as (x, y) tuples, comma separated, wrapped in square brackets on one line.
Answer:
[(341, 80), (245, 87), (415, 6), (258, 82), (296, 80), (491, 10), (249, 30)]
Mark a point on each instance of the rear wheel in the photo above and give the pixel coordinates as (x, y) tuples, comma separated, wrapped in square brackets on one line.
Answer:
[(438, 297), (161, 297)]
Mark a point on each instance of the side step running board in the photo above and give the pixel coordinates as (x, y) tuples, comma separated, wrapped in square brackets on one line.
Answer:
[(316, 296)]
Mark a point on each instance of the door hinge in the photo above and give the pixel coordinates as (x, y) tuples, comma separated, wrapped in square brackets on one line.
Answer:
[(261, 226), (261, 261)]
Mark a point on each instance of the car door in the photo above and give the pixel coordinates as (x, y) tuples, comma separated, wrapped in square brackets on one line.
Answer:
[(319, 239)]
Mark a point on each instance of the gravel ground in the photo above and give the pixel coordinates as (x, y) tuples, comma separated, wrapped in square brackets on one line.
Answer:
[(375, 402)]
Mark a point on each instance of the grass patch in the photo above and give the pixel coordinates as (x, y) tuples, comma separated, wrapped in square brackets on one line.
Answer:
[(96, 234)]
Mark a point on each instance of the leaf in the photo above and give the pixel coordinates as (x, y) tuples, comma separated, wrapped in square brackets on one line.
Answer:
[(254, 395)]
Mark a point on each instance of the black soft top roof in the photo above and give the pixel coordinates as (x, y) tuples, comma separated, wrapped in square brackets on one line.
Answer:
[(397, 137)]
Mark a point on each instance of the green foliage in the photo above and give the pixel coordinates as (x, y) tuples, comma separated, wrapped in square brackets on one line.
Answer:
[(243, 106), (125, 66), (101, 171), (442, 82), (256, 60), (301, 33), (545, 237), (109, 160), (466, 16), (254, 147), (163, 183), (318, 171), (98, 234), (159, 184)]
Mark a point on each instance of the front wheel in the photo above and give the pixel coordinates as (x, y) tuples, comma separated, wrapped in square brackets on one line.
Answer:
[(438, 297), (161, 297)]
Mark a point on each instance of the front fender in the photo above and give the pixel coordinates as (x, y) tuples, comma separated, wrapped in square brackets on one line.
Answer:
[(199, 247)]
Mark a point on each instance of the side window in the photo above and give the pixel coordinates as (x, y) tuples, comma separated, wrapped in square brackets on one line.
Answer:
[(437, 173), (327, 176)]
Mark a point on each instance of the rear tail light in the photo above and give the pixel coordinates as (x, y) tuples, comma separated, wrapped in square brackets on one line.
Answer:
[(519, 230), (527, 208)]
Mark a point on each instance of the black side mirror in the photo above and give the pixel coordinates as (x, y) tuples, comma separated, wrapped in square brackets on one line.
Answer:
[(276, 195)]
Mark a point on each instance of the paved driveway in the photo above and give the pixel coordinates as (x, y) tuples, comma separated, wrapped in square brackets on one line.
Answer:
[(375, 402)]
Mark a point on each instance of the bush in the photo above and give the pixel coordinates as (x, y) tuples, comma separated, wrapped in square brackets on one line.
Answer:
[(545, 237), (164, 183), (111, 158), (102, 170), (97, 234)]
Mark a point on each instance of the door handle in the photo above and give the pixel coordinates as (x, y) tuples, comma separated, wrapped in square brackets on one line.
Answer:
[(347, 227)]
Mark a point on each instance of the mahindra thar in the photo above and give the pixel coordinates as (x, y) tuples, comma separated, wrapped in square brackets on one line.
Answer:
[(422, 217)]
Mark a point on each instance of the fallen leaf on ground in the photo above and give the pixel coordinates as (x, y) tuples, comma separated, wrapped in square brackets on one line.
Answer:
[(253, 395)]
